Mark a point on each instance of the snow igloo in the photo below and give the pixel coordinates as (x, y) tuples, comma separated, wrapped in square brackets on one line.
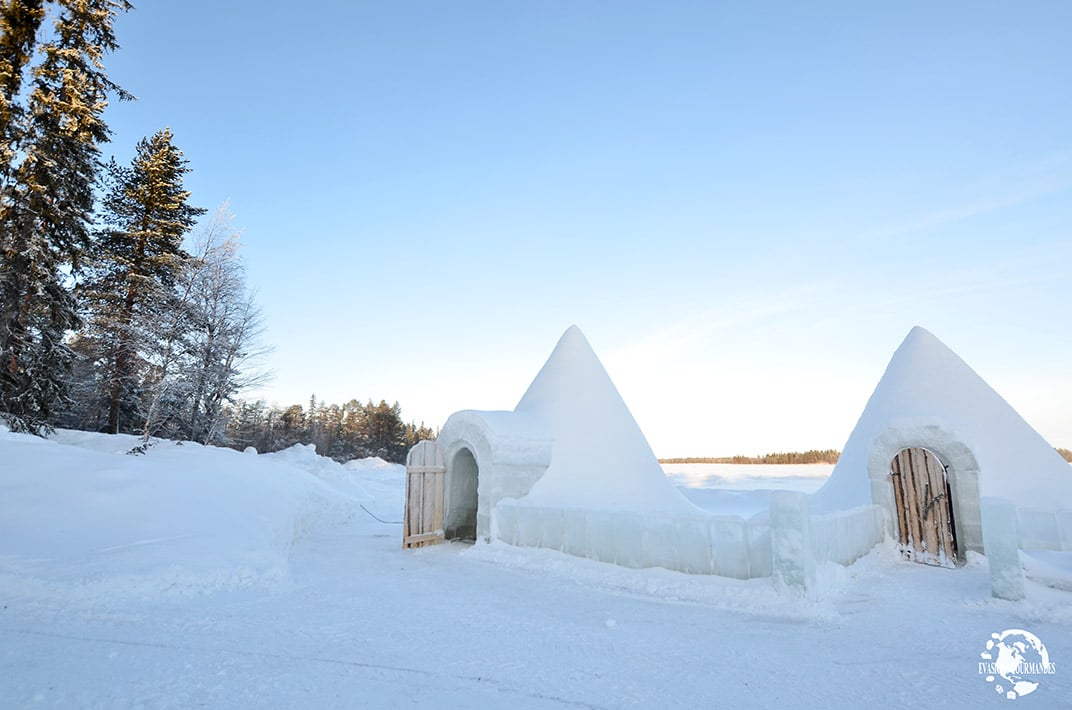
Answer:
[(953, 467)]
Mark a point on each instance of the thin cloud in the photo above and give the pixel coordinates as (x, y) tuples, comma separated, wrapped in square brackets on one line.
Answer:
[(691, 332), (1016, 185)]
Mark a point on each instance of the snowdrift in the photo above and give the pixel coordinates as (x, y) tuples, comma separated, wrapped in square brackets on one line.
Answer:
[(80, 517)]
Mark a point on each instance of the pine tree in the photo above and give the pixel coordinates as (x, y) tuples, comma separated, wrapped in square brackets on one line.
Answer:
[(292, 428), (386, 433), (47, 175), (130, 292), (249, 424), (414, 433)]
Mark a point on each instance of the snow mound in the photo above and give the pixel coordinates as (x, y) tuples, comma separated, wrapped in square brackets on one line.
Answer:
[(600, 459), (303, 455), (372, 463), (80, 517)]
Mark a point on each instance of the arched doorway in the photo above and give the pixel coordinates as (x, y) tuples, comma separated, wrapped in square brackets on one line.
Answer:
[(462, 480), (924, 505)]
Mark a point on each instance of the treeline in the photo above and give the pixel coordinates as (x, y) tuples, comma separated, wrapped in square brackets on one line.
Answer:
[(827, 456), (111, 318), (342, 432)]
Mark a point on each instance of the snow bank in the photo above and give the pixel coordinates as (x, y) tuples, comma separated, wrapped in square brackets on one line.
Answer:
[(81, 518)]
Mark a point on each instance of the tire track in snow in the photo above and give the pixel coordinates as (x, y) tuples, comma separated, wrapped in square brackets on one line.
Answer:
[(480, 680)]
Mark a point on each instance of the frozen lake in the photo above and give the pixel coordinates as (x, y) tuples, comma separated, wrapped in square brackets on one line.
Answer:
[(743, 489)]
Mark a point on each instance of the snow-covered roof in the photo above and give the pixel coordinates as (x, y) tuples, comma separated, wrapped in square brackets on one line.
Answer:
[(925, 385)]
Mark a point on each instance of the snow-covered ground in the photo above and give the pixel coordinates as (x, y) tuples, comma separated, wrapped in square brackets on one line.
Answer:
[(743, 489), (200, 577)]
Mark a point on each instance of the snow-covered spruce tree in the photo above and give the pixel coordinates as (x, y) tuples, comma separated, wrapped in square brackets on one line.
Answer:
[(19, 23), (130, 289), (48, 167)]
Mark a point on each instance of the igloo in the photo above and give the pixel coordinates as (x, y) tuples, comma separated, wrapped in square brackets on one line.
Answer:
[(951, 463), (569, 469)]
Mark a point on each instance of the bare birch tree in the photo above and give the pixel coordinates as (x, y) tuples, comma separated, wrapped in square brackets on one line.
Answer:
[(223, 349)]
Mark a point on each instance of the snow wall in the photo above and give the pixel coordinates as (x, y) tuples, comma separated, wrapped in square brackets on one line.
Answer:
[(1040, 529), (728, 546)]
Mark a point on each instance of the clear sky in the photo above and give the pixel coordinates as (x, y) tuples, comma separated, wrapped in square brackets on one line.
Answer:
[(744, 206)]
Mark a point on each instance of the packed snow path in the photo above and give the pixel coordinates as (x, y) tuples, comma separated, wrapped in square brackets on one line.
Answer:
[(361, 623)]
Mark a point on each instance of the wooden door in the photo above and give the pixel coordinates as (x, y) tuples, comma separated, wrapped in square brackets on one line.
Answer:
[(425, 479), (924, 508)]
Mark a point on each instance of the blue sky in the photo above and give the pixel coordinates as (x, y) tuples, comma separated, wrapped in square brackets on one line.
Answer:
[(744, 206)]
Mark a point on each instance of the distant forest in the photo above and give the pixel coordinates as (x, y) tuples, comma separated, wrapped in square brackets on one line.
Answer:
[(341, 432), (827, 456)]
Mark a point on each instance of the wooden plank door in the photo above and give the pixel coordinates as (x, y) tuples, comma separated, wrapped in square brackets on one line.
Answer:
[(425, 481), (924, 508)]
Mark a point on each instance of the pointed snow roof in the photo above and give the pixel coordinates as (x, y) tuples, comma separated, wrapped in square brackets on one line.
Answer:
[(600, 459), (927, 383)]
